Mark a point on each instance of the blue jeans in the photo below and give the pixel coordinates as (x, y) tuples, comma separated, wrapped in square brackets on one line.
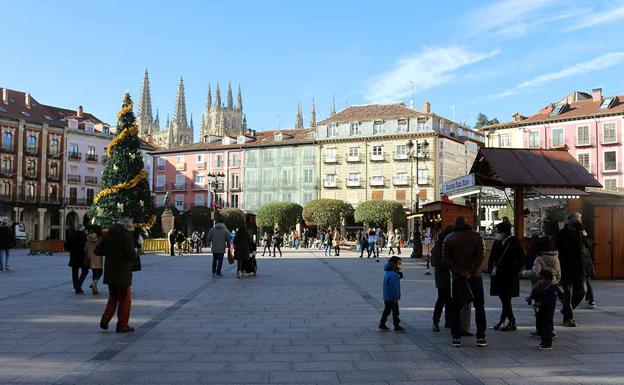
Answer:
[(328, 249), (589, 291), (217, 263), (476, 286), (4, 258)]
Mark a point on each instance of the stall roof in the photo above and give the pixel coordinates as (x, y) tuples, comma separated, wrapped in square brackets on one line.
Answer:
[(530, 167)]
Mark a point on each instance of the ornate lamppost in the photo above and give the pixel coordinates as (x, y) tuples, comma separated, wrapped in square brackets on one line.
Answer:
[(215, 182), (416, 152)]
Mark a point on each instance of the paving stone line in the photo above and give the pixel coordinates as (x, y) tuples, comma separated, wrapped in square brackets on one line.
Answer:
[(463, 376)]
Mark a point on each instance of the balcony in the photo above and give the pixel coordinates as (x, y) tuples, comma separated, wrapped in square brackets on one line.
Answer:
[(30, 175), (91, 158), (33, 151), (76, 156), (53, 153), (159, 188), (377, 158), (54, 177), (178, 186), (235, 163), (198, 166), (377, 182), (181, 166), (353, 158), (398, 156), (6, 172), (32, 199), (238, 188), (353, 183), (73, 178), (330, 159), (200, 186), (7, 148), (91, 180), (330, 184), (401, 182), (73, 201)]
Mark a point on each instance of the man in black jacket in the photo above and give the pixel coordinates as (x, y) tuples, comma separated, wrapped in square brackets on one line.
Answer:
[(572, 242), (7, 241)]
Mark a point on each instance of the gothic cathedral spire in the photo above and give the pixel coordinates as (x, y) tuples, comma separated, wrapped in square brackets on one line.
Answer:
[(218, 97), (299, 117), (313, 115), (145, 118), (180, 129), (333, 107), (230, 99), (209, 99), (239, 100)]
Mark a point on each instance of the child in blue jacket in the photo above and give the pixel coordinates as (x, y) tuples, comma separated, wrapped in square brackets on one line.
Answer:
[(392, 294)]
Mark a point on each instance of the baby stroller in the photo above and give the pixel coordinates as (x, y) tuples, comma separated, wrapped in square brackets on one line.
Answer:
[(250, 265)]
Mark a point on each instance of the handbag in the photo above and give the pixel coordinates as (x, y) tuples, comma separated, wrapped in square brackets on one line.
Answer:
[(461, 290)]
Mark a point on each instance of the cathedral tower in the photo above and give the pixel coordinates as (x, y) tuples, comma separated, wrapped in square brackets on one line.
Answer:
[(219, 119), (145, 120)]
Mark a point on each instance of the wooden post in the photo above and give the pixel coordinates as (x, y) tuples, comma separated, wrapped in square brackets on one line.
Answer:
[(519, 212)]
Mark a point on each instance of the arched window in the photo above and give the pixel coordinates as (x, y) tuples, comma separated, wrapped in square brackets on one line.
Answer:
[(53, 192), (54, 169), (54, 146), (6, 189), (7, 165), (31, 143), (31, 167), (7, 140), (30, 191)]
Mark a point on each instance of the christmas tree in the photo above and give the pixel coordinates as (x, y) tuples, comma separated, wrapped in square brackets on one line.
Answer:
[(124, 189)]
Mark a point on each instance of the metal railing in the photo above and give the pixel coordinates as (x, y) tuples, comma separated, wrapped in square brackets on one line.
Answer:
[(92, 180), (73, 178), (91, 158), (75, 155)]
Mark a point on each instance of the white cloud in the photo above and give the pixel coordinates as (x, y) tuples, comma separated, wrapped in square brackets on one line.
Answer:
[(429, 68), (596, 64), (597, 18)]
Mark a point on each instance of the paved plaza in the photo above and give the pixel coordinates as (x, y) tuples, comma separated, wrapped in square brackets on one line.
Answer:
[(304, 319)]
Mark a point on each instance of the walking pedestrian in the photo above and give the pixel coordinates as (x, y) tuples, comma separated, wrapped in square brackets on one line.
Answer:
[(392, 294), (266, 243), (545, 294), (572, 242), (363, 243), (507, 259), (218, 238), (171, 236), (242, 249), (94, 237), (358, 241), (442, 276), (278, 241), (463, 253), (391, 243), (336, 242), (372, 243), (590, 271), (180, 238), (120, 256), (398, 238), (327, 242), (75, 244), (7, 242)]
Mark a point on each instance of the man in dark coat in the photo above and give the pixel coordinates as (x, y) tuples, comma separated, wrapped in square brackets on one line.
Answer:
[(571, 244), (171, 237), (75, 244), (442, 281), (119, 253), (463, 253), (7, 241), (506, 261)]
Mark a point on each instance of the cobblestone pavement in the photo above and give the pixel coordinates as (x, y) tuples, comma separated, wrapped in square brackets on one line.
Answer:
[(302, 320)]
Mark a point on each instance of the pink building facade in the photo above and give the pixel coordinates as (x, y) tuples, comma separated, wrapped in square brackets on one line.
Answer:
[(186, 173), (589, 126)]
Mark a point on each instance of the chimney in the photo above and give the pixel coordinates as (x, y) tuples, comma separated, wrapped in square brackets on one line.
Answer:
[(27, 100), (79, 112), (5, 96), (427, 107), (597, 94)]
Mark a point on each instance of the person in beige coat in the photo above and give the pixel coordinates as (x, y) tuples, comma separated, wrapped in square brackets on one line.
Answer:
[(336, 242), (94, 238)]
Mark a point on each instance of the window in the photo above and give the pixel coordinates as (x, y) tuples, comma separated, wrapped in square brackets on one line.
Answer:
[(609, 134), (31, 142), (401, 151), (179, 180), (377, 127), (251, 158), (91, 151), (332, 130), (219, 161), (74, 148), (160, 200), (234, 160), (610, 161), (402, 125), (534, 139), (53, 192), (73, 195), (54, 170), (610, 184), (606, 103), (31, 167), (160, 181), (7, 140), (234, 200), (200, 158), (268, 156), (6, 188), (583, 159), (354, 152), (353, 177), (557, 137), (106, 130), (377, 151), (160, 163), (234, 181), (54, 146), (267, 197), (7, 165), (287, 197), (30, 190), (330, 154), (267, 178), (355, 129), (582, 136), (199, 199), (330, 178), (377, 180), (90, 195), (558, 109), (503, 140), (278, 137), (308, 176), (401, 178), (180, 159), (179, 202), (200, 179), (423, 177), (287, 176)]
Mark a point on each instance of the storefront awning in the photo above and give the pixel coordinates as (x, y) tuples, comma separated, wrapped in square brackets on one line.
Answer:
[(558, 193)]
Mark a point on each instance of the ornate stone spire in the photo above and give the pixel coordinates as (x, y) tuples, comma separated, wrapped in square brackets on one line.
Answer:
[(209, 99), (244, 123), (179, 116), (313, 115), (218, 97), (299, 117), (157, 122), (239, 100), (333, 107), (230, 99), (191, 122), (145, 117)]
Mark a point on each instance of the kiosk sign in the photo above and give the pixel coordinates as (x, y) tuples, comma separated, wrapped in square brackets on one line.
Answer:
[(458, 184)]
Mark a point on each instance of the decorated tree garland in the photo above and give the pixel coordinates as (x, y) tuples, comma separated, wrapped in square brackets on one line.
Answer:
[(124, 188)]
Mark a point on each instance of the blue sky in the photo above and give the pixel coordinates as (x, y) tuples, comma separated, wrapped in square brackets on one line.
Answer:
[(478, 56)]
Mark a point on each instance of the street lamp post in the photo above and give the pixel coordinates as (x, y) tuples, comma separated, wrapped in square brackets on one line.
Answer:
[(418, 151), (215, 182)]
